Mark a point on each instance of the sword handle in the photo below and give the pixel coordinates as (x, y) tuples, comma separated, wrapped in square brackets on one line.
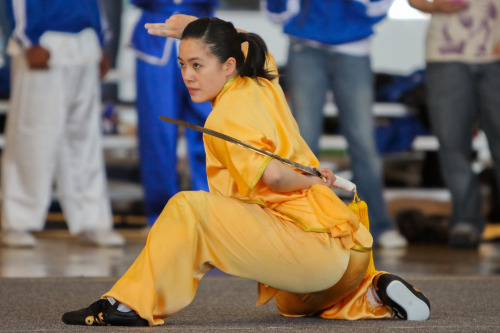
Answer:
[(339, 182), (318, 173), (344, 184)]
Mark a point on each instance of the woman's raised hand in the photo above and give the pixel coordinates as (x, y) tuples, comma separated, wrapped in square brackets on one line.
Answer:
[(173, 26)]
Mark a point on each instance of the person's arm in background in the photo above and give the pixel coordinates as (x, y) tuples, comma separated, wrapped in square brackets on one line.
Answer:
[(103, 31), (496, 50), (28, 28), (280, 11), (376, 9), (438, 6)]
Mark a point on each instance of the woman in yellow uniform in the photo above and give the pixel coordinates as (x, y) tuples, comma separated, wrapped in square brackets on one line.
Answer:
[(262, 220)]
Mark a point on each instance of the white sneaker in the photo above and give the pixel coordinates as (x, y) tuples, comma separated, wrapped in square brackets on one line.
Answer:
[(102, 238), (14, 238), (392, 240)]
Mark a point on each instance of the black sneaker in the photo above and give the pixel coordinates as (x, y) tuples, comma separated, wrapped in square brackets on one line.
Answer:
[(464, 236), (405, 300), (103, 313)]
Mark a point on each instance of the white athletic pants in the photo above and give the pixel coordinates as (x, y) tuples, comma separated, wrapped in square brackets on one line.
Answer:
[(53, 133)]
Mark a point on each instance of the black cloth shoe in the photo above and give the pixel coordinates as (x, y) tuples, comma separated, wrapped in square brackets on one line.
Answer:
[(405, 300), (102, 313)]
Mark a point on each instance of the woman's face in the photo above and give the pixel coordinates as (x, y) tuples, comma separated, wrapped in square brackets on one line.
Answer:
[(202, 72)]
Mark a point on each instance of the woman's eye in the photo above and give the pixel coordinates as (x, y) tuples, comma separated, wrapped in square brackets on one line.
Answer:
[(196, 66), (181, 65)]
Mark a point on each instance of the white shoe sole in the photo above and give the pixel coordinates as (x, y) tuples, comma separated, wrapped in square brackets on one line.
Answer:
[(415, 308)]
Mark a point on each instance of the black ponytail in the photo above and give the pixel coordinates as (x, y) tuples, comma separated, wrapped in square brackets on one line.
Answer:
[(224, 41), (254, 65)]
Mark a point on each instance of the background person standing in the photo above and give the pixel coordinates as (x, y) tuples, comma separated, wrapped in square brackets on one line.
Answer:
[(53, 125), (330, 50), (463, 82), (161, 91)]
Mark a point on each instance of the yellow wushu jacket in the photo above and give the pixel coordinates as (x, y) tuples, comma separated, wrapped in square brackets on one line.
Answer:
[(256, 112)]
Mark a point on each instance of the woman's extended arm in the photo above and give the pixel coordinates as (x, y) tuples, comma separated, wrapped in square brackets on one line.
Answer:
[(173, 26), (282, 178), (443, 6)]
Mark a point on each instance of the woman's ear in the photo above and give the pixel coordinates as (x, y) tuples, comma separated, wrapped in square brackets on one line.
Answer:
[(229, 67)]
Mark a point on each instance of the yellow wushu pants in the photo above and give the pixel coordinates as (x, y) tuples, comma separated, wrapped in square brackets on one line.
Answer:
[(198, 231)]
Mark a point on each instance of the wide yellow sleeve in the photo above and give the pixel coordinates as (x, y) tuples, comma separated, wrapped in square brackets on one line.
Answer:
[(245, 166)]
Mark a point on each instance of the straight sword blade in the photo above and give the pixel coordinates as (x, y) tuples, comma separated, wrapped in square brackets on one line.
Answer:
[(309, 170)]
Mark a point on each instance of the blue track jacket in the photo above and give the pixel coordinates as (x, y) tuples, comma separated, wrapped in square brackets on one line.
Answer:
[(328, 21), (31, 18)]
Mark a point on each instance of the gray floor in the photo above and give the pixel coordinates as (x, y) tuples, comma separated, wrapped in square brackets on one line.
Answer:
[(37, 286), (459, 304)]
